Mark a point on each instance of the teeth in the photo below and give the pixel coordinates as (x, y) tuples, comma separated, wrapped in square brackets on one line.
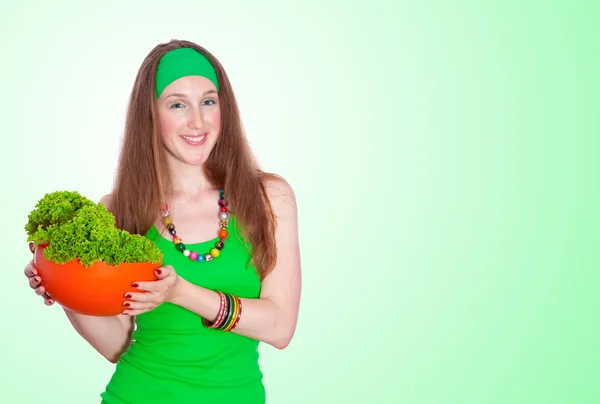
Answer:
[(195, 139)]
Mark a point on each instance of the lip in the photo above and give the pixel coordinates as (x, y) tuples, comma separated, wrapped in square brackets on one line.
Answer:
[(196, 135)]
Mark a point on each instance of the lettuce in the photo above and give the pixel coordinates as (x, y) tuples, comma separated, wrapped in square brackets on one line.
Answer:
[(74, 227)]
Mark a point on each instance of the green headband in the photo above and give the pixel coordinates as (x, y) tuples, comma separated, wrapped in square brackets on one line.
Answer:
[(183, 62)]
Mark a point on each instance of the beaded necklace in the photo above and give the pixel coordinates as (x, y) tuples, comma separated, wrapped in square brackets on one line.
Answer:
[(223, 233)]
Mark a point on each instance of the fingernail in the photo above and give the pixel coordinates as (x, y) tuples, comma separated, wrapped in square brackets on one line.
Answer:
[(128, 296), (158, 271), (135, 285), (125, 304)]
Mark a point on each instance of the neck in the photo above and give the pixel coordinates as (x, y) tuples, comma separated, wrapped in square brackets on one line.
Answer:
[(188, 183)]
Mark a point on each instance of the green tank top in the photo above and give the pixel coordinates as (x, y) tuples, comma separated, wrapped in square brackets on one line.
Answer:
[(174, 358)]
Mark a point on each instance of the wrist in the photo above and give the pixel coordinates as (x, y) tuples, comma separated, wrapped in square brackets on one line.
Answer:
[(178, 291)]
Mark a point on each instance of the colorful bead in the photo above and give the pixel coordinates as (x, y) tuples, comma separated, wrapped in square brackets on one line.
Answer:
[(207, 257), (165, 213), (193, 255), (223, 209), (223, 216), (222, 240), (200, 258), (223, 202), (167, 220), (171, 227), (177, 240), (223, 233), (219, 245), (215, 252), (224, 224), (187, 253), (180, 247), (172, 231)]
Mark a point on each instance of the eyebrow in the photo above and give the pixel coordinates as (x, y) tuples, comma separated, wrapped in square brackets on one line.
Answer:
[(181, 95)]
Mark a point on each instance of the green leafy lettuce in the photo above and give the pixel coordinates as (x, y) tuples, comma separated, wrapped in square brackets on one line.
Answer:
[(75, 227)]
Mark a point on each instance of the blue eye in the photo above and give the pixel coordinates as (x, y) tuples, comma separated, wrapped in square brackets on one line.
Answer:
[(177, 105)]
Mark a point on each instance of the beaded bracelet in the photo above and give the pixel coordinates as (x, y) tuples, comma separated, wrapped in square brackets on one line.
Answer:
[(229, 315)]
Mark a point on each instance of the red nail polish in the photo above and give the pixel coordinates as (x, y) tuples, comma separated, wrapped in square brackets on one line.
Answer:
[(125, 304), (135, 285), (158, 271), (128, 296)]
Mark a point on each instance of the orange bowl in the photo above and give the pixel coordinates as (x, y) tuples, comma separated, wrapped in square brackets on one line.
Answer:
[(98, 290)]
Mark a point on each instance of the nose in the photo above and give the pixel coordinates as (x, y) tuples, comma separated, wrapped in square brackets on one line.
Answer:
[(196, 119)]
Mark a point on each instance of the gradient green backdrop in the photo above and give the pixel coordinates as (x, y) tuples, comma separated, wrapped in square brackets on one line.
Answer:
[(445, 160)]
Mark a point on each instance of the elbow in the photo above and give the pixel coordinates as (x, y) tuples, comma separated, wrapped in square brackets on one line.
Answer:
[(283, 330), (283, 340), (114, 358), (281, 344)]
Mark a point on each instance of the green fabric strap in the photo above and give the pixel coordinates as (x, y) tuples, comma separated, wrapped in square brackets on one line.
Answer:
[(183, 62)]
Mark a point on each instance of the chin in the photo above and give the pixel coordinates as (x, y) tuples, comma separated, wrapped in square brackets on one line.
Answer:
[(196, 160)]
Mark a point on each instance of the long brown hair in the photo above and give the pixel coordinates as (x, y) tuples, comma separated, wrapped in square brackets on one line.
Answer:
[(142, 179)]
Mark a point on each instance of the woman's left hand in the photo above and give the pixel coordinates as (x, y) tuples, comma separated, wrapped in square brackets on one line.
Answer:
[(155, 292)]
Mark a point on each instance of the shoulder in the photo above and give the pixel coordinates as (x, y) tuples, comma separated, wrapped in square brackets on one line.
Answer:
[(106, 200), (280, 194)]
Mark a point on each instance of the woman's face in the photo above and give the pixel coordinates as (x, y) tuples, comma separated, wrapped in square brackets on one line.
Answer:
[(189, 116)]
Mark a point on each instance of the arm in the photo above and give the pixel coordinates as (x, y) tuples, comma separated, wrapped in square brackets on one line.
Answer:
[(110, 336), (272, 318)]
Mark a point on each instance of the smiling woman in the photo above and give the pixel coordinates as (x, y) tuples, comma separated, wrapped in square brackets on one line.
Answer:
[(230, 276)]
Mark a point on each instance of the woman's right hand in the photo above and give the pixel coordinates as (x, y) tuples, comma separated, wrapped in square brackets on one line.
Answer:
[(35, 283)]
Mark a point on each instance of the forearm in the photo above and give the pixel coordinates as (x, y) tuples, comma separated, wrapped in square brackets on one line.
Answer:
[(108, 335), (261, 319)]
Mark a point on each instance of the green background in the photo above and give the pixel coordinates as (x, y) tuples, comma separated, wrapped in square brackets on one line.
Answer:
[(445, 160)]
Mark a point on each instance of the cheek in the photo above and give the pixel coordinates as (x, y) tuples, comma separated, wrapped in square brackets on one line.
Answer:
[(167, 126), (215, 120)]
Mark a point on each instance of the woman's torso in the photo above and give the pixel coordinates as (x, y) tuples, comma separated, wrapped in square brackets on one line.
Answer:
[(173, 357)]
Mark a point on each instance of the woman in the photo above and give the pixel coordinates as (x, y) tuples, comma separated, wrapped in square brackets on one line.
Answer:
[(231, 269)]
